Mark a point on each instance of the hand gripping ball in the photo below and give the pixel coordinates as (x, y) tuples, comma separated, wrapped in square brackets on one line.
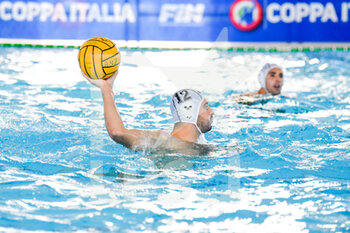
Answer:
[(99, 58)]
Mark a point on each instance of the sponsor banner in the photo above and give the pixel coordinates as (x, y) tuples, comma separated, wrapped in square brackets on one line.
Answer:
[(178, 20)]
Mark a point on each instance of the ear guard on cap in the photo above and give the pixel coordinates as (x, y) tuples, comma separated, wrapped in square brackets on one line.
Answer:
[(185, 106)]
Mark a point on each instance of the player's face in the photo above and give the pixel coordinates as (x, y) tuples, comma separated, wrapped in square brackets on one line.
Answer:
[(205, 117), (274, 81)]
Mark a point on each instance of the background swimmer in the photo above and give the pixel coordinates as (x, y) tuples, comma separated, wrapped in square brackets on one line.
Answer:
[(192, 115), (270, 78)]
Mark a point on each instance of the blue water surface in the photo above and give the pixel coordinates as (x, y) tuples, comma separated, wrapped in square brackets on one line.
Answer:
[(281, 165)]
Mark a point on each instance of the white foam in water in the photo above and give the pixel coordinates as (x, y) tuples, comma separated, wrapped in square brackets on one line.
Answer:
[(48, 68), (178, 58)]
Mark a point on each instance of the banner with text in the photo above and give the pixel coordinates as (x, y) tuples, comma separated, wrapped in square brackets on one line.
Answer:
[(177, 20)]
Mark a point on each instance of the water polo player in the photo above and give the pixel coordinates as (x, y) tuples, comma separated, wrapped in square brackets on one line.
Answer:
[(271, 79), (192, 115)]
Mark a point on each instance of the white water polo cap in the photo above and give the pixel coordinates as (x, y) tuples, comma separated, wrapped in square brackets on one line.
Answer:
[(185, 106), (264, 71)]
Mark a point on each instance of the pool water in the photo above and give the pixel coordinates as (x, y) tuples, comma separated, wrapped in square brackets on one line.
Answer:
[(281, 164)]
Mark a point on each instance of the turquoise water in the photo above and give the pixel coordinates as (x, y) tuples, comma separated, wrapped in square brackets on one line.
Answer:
[(281, 165)]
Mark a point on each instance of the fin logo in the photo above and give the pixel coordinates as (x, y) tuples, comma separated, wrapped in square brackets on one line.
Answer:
[(246, 15)]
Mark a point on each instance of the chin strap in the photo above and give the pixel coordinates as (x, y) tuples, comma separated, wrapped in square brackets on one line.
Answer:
[(201, 139), (199, 130)]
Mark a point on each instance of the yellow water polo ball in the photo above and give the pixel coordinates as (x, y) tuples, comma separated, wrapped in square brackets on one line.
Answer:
[(99, 58)]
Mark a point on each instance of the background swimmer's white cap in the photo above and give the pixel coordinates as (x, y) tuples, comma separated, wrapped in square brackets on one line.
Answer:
[(264, 71), (185, 106)]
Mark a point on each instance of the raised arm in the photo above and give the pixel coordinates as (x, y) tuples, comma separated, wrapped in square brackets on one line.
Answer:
[(135, 139), (130, 138)]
